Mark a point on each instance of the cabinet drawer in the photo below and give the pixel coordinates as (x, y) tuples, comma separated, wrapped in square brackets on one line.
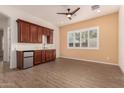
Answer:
[(28, 54)]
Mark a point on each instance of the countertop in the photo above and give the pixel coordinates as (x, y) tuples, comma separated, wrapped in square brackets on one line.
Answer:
[(33, 47), (34, 50)]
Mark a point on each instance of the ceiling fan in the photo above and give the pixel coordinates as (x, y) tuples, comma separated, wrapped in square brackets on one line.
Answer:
[(68, 13)]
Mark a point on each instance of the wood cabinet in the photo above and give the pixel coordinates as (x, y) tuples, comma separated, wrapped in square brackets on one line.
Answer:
[(24, 58), (37, 57), (50, 37), (20, 59), (32, 33), (46, 31), (24, 32), (50, 55), (47, 55), (43, 56), (40, 34), (53, 54)]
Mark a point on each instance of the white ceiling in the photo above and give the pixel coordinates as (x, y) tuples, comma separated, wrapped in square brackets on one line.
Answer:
[(48, 12)]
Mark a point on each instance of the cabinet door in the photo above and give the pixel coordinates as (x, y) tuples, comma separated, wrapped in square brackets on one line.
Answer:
[(43, 56), (40, 33), (53, 54), (51, 37), (47, 55), (37, 57), (48, 32), (44, 31), (20, 59), (24, 32), (33, 34)]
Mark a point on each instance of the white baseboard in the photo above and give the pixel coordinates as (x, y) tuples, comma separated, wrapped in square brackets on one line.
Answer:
[(90, 60)]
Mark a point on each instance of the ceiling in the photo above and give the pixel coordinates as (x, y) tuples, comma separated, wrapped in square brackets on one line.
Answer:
[(48, 12)]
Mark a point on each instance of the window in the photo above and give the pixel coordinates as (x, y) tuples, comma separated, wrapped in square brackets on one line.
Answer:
[(71, 39), (93, 38), (84, 38), (77, 39)]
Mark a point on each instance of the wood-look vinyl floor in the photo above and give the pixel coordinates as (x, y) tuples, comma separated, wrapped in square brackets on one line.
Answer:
[(64, 73)]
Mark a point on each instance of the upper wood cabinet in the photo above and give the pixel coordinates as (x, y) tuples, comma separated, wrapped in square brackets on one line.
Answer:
[(40, 34), (32, 33), (50, 37), (24, 32), (45, 31)]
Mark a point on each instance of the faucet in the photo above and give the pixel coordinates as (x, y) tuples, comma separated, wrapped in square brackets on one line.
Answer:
[(44, 46)]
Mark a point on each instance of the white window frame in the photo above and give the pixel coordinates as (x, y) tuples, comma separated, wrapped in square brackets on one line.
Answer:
[(82, 30)]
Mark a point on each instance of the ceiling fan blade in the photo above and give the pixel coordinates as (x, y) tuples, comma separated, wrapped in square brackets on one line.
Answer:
[(69, 18), (75, 11), (62, 13)]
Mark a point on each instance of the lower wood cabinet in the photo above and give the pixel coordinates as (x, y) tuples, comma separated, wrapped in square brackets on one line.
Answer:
[(47, 55), (20, 58), (53, 55), (25, 59), (38, 57), (50, 55), (43, 56)]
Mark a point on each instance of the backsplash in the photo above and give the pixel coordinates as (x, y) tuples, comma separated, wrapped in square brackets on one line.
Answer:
[(32, 46), (27, 46)]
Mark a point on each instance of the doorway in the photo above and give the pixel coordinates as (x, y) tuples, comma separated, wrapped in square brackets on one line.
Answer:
[(4, 42), (1, 45)]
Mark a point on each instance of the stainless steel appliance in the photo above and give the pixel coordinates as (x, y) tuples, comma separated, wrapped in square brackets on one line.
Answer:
[(28, 59)]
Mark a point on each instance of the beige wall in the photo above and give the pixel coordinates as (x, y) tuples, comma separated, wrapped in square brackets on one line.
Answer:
[(108, 51)]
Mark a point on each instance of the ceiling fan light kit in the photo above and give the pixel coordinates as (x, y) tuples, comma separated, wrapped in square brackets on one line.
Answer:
[(68, 15)]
